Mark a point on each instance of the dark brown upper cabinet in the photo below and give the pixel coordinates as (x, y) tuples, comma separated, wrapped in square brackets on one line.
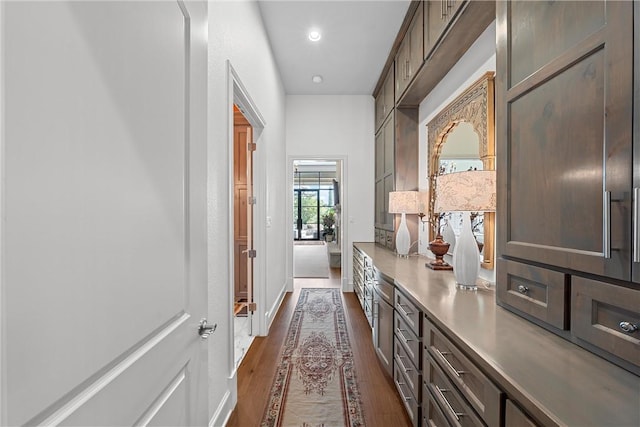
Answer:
[(564, 134), (411, 52)]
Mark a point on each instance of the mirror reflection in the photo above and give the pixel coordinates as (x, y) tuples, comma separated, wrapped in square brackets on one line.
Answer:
[(460, 152)]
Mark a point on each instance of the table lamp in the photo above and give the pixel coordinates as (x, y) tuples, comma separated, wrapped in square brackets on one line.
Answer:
[(466, 192), (403, 202)]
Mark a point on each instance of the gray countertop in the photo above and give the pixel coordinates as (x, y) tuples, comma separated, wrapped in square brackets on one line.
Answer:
[(555, 380)]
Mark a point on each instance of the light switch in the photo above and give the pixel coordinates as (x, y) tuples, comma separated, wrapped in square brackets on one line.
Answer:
[(268, 222)]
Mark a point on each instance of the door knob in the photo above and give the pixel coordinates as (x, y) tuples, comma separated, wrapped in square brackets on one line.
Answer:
[(204, 329)]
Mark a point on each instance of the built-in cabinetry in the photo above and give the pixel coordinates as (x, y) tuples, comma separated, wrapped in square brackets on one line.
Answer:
[(459, 359), (363, 282), (383, 297), (407, 374), (568, 224), (433, 37), (410, 55)]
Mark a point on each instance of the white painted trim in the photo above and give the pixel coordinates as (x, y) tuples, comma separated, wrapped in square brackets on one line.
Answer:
[(222, 413), (271, 314), (344, 215), (98, 385)]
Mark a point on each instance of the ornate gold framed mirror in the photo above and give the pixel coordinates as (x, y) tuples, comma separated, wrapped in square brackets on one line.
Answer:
[(474, 106)]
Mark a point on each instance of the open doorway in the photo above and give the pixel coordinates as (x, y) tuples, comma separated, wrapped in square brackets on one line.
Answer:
[(243, 304), (246, 235), (316, 215)]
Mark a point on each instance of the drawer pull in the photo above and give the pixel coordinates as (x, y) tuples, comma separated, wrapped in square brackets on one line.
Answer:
[(628, 327), (402, 310), (441, 392), (449, 365), (523, 289), (406, 370), (401, 334)]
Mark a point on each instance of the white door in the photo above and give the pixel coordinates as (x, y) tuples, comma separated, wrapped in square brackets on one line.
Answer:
[(103, 250)]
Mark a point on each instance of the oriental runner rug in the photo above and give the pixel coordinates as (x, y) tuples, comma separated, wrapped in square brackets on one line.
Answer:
[(315, 383)]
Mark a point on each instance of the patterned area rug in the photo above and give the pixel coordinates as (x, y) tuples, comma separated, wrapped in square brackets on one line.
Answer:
[(315, 383)]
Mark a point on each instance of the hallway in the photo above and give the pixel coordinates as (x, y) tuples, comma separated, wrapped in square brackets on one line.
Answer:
[(380, 402)]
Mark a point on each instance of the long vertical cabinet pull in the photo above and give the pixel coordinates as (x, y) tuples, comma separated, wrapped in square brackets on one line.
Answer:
[(606, 225), (636, 224)]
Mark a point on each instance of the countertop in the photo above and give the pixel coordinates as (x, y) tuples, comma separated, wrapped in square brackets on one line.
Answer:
[(553, 379)]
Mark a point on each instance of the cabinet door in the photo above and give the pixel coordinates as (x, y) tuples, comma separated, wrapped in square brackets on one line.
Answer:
[(564, 125), (416, 48), (381, 212), (379, 110), (379, 154), (389, 93), (435, 18), (389, 145), (402, 66)]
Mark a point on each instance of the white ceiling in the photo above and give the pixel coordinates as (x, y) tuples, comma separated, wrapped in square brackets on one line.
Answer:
[(357, 37)]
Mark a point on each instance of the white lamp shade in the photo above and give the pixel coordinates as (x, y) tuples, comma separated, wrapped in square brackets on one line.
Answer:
[(472, 191), (403, 202)]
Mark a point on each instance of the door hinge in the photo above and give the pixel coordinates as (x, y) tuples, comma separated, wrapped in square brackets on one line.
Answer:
[(251, 146), (251, 200), (251, 253), (252, 306)]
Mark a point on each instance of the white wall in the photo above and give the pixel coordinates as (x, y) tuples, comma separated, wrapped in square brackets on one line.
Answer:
[(334, 126), (237, 34), (480, 58)]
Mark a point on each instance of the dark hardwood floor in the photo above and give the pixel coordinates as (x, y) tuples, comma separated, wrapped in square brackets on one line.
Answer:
[(380, 402)]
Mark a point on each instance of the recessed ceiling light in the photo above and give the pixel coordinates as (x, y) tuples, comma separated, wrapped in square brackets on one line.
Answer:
[(314, 35), (316, 79)]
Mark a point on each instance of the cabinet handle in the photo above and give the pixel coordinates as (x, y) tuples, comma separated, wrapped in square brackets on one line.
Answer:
[(636, 224), (443, 14), (628, 327), (606, 225), (401, 334), (523, 289), (402, 311), (405, 369), (441, 392), (449, 365), (407, 74)]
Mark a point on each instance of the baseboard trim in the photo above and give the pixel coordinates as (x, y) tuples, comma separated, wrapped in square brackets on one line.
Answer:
[(223, 412), (271, 314)]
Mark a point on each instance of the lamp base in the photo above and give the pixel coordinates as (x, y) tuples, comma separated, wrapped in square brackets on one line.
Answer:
[(439, 248)]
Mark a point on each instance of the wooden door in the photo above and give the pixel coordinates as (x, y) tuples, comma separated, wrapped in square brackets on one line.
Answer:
[(387, 88), (564, 114), (103, 236), (241, 139)]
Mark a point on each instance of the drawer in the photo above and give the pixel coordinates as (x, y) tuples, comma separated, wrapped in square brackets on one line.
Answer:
[(407, 339), (410, 371), (453, 405), (538, 292), (607, 316), (515, 417), (410, 403), (368, 292), (476, 387), (389, 240), (409, 312), (432, 415), (383, 287)]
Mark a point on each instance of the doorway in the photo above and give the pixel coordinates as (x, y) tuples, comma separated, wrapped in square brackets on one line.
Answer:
[(316, 220), (243, 233)]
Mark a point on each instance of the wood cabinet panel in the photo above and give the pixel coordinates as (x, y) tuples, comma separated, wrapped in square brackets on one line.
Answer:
[(564, 136), (515, 417), (411, 404), (432, 415), (608, 317), (411, 372), (474, 385), (541, 32), (389, 145), (536, 291), (389, 93), (453, 405), (406, 338), (435, 18)]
